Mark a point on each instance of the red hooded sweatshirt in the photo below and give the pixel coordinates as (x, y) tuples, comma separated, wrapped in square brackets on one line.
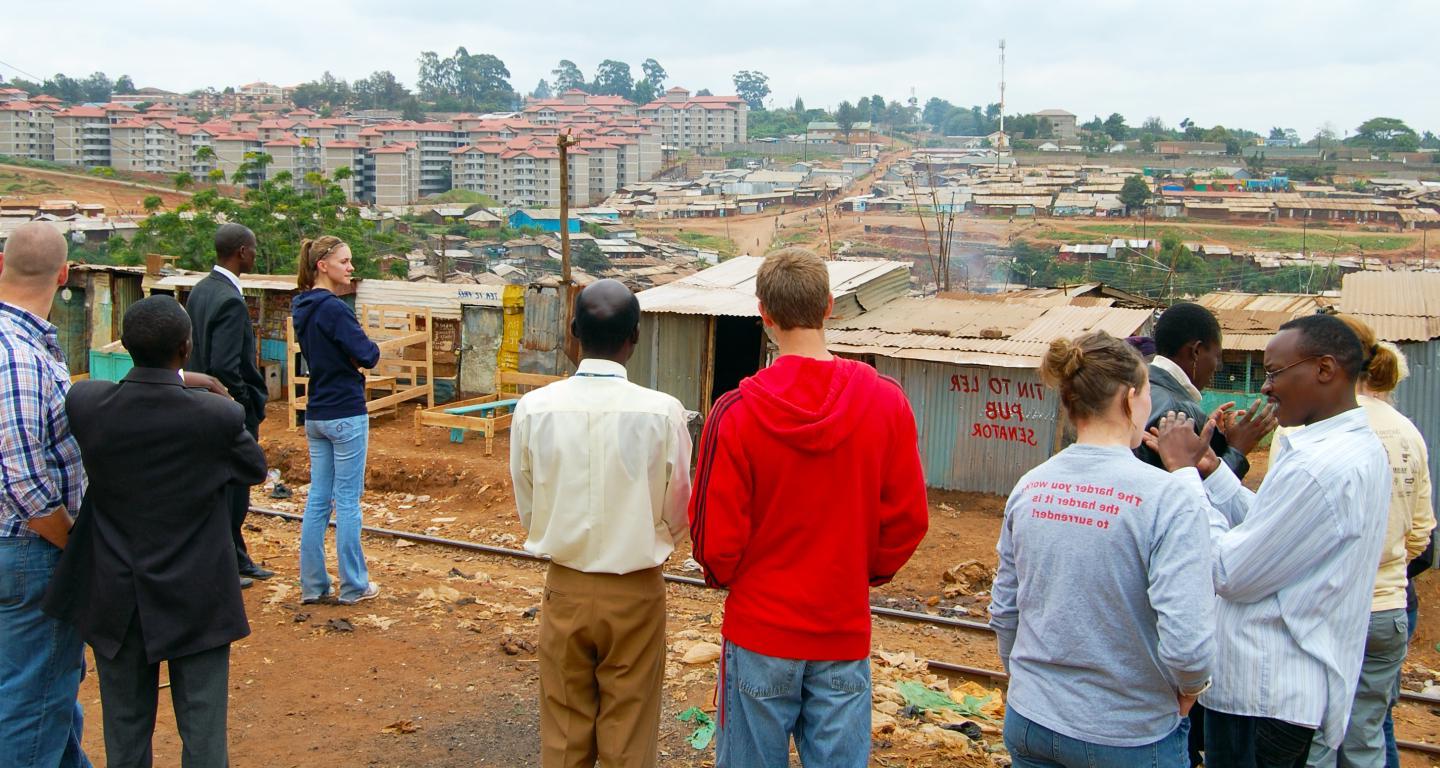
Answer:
[(808, 492)]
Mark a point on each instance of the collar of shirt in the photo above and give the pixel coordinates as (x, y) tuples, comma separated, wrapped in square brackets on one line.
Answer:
[(1167, 365), (1351, 420), (36, 326), (231, 276), (597, 368)]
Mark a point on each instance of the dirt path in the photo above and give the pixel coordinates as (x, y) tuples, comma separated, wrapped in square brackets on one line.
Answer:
[(420, 676)]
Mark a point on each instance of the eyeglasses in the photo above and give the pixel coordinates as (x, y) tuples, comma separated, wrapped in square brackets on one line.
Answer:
[(1270, 375)]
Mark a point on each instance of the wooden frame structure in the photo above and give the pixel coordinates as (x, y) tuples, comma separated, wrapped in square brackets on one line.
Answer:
[(489, 415), (406, 358)]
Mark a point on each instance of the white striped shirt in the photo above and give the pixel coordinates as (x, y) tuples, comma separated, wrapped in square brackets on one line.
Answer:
[(1294, 566)]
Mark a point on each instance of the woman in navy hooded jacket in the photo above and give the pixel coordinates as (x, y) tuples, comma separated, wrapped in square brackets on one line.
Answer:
[(337, 424)]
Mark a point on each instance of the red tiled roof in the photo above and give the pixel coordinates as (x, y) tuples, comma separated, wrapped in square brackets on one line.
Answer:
[(113, 107), (45, 98), (131, 123), (18, 106), (393, 149), (81, 112), (255, 137), (342, 145), (287, 140)]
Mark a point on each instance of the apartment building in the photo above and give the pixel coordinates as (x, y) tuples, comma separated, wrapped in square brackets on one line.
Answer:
[(82, 137), (338, 154), (26, 129), (298, 157), (182, 103), (140, 145), (392, 175), (230, 153), (8, 95), (689, 122)]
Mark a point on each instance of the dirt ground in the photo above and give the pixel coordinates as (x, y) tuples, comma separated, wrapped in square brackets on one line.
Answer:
[(34, 185), (422, 676)]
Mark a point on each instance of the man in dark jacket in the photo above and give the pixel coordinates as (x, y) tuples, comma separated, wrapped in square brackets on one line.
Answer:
[(224, 347), (148, 575), (1187, 353)]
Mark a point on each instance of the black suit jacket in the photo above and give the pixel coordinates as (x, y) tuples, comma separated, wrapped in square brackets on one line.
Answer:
[(1166, 395), (224, 343), (153, 533)]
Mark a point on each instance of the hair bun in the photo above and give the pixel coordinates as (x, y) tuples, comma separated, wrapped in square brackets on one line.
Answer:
[(1062, 361)]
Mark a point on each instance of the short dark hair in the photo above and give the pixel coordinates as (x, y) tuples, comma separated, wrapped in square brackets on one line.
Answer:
[(1182, 324), (156, 329), (230, 238), (1329, 335), (607, 317)]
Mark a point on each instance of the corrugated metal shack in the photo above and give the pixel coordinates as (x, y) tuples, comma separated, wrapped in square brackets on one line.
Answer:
[(968, 368), (89, 309), (701, 335), (1404, 307)]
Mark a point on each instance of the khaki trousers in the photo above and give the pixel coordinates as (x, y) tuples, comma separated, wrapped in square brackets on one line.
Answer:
[(602, 661)]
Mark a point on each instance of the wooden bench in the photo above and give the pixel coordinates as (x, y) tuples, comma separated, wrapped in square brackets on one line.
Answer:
[(488, 415)]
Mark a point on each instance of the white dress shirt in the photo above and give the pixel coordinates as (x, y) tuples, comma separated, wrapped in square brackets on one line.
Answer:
[(1294, 566), (601, 469), (231, 276), (1181, 377)]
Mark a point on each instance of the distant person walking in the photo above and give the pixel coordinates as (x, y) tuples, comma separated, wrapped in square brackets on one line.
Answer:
[(809, 491), (601, 474), (149, 575), (224, 347), (41, 659), (337, 422), (1094, 520)]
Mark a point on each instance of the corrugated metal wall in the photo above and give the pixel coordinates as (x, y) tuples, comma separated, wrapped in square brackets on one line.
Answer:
[(1418, 397), (480, 348), (128, 289), (542, 349), (679, 343), (980, 428), (67, 314)]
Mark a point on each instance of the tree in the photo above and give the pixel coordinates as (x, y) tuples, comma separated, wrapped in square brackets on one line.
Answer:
[(654, 73), (124, 84), (1134, 193), (1277, 133), (1430, 141), (612, 78), (845, 117), (567, 77), (704, 92), (1115, 126), (799, 108), (589, 257), (1147, 142), (1382, 132), (152, 203), (381, 90), (644, 93), (542, 90), (753, 87), (936, 112), (412, 110), (1155, 125), (184, 179)]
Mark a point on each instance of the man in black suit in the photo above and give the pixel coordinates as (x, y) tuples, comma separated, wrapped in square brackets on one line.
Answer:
[(224, 347), (148, 574)]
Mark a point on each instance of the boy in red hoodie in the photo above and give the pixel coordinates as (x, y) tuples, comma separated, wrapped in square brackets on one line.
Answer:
[(808, 492)]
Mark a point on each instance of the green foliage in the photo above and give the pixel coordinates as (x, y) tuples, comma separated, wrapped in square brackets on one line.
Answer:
[(279, 214), (567, 77), (461, 197), (704, 731), (753, 87), (465, 81), (722, 245), (588, 256), (845, 117), (1135, 193), (775, 123), (1115, 126), (612, 78), (1386, 133), (400, 269)]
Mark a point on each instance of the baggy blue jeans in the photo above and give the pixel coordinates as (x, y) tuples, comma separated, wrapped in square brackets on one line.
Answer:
[(825, 705), (337, 480), (41, 663), (1032, 745)]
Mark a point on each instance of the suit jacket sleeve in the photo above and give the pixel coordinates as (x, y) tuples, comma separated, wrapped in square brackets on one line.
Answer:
[(225, 351), (246, 459)]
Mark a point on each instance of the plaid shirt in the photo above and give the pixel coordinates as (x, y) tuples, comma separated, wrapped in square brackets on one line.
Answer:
[(39, 458)]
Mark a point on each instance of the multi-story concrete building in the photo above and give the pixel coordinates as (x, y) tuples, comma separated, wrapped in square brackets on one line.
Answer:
[(182, 103), (298, 157), (338, 154), (8, 95), (392, 175), (689, 122), (139, 145), (82, 137), (26, 129), (1062, 123), (231, 150)]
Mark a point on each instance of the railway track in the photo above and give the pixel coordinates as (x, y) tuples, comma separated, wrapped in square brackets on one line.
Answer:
[(875, 610)]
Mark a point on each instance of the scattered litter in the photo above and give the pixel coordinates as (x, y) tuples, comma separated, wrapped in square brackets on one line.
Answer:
[(532, 612), (701, 653), (443, 519), (402, 543), (704, 727), (279, 593), (968, 578), (401, 726), (514, 646), (379, 622), (439, 594), (339, 625), (280, 492), (691, 565), (301, 618), (925, 699)]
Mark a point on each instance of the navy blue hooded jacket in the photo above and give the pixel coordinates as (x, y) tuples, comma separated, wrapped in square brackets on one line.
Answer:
[(335, 347)]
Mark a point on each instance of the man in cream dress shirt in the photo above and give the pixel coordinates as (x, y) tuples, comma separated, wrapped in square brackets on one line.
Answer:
[(601, 471)]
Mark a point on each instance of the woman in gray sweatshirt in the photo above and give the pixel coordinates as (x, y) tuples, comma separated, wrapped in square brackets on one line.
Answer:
[(1103, 604)]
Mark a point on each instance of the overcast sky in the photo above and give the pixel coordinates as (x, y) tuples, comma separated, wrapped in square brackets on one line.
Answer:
[(1240, 64)]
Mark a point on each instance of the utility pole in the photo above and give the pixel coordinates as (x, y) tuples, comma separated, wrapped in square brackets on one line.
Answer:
[(441, 266), (563, 142), (1424, 246)]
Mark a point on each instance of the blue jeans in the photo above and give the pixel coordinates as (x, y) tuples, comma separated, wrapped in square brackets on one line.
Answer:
[(1392, 751), (1032, 745), (337, 479), (41, 663), (825, 705)]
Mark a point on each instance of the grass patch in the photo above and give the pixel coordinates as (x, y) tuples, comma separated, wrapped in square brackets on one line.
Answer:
[(721, 245), (16, 184), (462, 197)]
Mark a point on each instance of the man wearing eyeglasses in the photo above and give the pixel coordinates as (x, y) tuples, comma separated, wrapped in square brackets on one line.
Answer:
[(224, 347), (1294, 564)]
